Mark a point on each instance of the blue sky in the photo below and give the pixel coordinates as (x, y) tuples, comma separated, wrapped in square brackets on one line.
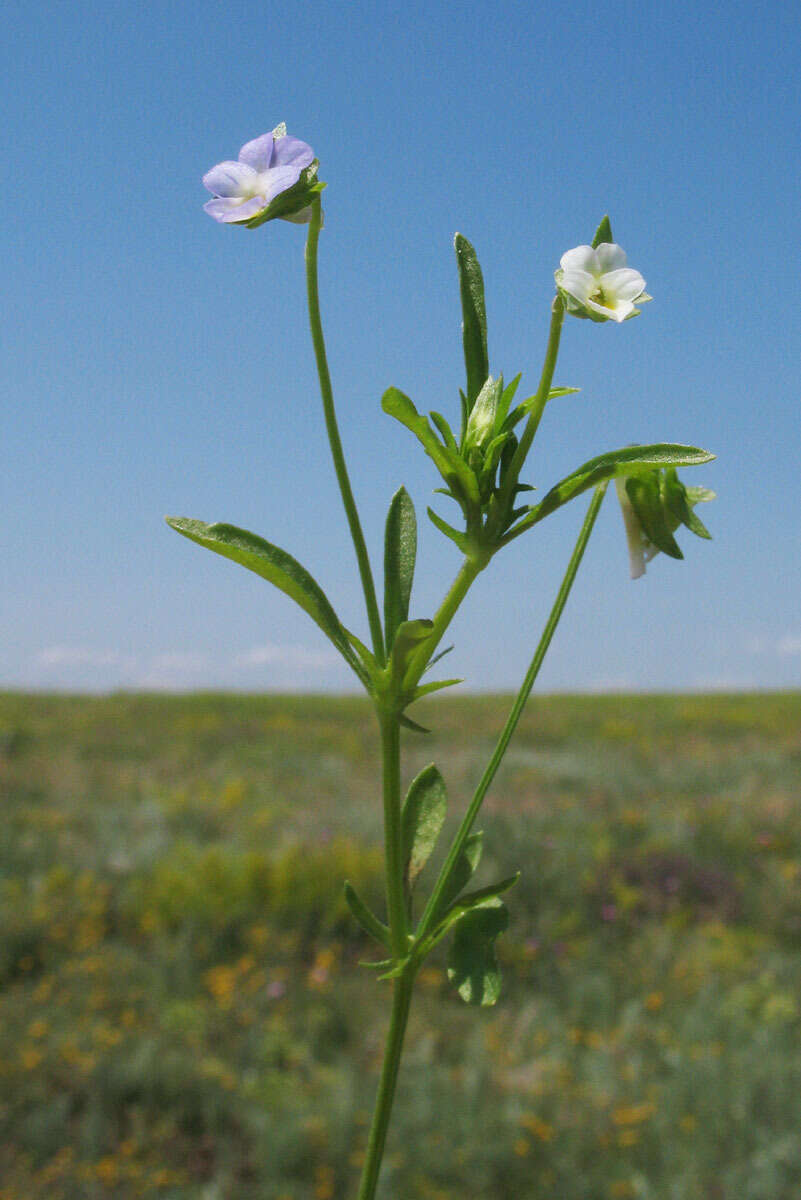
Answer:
[(154, 362)]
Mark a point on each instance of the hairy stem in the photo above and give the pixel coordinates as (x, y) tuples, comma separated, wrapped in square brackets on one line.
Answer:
[(334, 439)]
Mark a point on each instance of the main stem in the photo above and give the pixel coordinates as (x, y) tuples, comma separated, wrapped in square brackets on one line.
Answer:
[(334, 439), (468, 821)]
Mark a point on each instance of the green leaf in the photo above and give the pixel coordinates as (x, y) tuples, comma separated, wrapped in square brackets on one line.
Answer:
[(464, 904), (445, 431), (400, 553), (278, 568), (428, 688), (605, 466), (472, 966), (408, 723), (603, 233), (507, 396), (367, 919), (422, 818), (437, 657), (474, 317), (644, 494), (463, 872), (460, 539), (453, 470)]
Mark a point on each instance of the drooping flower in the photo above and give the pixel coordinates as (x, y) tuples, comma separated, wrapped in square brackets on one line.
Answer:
[(275, 176), (596, 283), (654, 504)]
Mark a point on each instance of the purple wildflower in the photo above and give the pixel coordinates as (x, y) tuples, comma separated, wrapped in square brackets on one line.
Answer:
[(268, 166)]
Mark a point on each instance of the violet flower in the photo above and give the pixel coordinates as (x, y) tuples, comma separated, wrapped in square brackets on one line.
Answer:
[(254, 188)]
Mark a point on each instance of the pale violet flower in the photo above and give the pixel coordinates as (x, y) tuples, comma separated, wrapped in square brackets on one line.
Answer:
[(596, 283), (268, 167)]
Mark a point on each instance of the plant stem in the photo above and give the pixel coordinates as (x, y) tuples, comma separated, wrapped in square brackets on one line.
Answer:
[(393, 849), (335, 442), (514, 716), (468, 572), (540, 400), (401, 1001)]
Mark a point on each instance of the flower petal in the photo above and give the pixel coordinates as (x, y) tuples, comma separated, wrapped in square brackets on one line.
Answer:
[(258, 154), (621, 310), (610, 256), (229, 210), (581, 258), (291, 150), (279, 179), (625, 283), (229, 178), (580, 284)]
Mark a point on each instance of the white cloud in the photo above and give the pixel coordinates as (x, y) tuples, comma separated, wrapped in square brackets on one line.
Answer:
[(82, 656), (791, 644), (297, 657), (785, 646)]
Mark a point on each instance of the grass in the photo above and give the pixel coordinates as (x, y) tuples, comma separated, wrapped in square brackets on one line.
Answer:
[(182, 1013)]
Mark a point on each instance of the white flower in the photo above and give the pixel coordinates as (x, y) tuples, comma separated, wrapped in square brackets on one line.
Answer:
[(596, 283)]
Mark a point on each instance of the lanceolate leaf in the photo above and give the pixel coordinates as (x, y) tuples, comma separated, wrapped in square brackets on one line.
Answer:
[(400, 552), (605, 466), (422, 819), (428, 688), (453, 470), (472, 966), (278, 568), (367, 919), (474, 317), (459, 538)]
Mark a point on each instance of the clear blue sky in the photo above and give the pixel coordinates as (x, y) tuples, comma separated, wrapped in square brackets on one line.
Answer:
[(154, 362)]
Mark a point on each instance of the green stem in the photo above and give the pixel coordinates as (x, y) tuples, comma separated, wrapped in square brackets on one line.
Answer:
[(514, 716), (393, 848), (333, 432), (540, 400), (468, 572), (401, 1001)]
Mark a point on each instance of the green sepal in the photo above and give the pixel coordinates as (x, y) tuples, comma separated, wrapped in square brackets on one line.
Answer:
[(679, 504), (291, 202), (366, 918), (279, 569), (427, 688), (507, 396), (422, 818), (400, 553), (474, 317), (460, 539), (472, 965), (453, 470), (463, 871), (606, 466), (603, 233), (644, 493)]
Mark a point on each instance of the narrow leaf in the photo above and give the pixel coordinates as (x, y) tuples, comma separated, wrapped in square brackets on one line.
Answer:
[(400, 553), (445, 431), (437, 657), (428, 688), (408, 723), (472, 966), (453, 470), (603, 233), (278, 568), (422, 818), (459, 538), (474, 317), (367, 919)]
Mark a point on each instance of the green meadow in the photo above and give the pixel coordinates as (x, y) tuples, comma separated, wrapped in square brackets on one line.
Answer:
[(183, 1016)]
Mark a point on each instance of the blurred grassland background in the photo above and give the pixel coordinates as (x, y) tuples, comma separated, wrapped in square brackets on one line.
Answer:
[(182, 1014)]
